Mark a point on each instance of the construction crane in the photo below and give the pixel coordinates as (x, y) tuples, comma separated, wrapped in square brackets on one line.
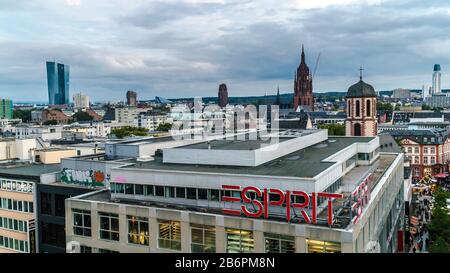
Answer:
[(317, 64)]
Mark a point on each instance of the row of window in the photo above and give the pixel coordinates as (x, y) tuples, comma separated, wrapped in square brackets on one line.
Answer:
[(16, 205), (18, 186), (13, 224), (188, 193), (358, 108), (13, 244), (431, 150), (426, 160), (203, 237)]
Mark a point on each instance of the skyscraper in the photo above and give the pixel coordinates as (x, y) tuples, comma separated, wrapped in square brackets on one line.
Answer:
[(223, 95), (80, 101), (6, 109), (131, 98), (437, 79), (303, 95), (58, 83)]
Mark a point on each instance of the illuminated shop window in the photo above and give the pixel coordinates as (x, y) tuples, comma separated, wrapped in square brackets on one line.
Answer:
[(109, 226), (316, 246), (203, 239), (138, 231), (276, 243), (169, 234), (81, 222), (239, 241)]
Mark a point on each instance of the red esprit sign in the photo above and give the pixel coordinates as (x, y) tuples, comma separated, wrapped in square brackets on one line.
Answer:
[(262, 208), (361, 197)]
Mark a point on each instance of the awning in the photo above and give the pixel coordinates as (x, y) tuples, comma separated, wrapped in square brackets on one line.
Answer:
[(441, 175)]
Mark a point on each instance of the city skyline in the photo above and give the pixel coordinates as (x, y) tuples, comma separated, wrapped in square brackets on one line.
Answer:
[(187, 48)]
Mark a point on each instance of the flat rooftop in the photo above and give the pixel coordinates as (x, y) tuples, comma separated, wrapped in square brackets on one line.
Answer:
[(28, 169), (306, 162)]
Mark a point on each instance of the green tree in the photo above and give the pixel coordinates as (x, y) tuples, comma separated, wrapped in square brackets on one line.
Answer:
[(82, 116), (50, 122), (334, 129), (164, 127), (129, 131), (439, 227), (24, 115), (425, 107)]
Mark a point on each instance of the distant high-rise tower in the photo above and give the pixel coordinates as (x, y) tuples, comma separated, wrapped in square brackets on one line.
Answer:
[(223, 95), (361, 109), (58, 83), (426, 91), (436, 79), (6, 109), (80, 101), (303, 95), (131, 98)]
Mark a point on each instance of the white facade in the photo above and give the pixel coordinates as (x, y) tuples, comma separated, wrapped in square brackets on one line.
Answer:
[(436, 82), (17, 148), (151, 122), (80, 101)]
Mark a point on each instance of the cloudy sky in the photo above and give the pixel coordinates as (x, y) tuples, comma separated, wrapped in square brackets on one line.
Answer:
[(184, 48)]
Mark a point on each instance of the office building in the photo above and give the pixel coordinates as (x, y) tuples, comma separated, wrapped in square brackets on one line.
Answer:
[(401, 93), (6, 109), (223, 95), (189, 198), (80, 101), (58, 83), (436, 79), (131, 98)]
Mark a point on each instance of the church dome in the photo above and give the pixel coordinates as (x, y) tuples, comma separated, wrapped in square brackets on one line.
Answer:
[(361, 89)]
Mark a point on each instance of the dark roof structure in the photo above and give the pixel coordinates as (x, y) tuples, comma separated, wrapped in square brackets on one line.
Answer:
[(361, 89)]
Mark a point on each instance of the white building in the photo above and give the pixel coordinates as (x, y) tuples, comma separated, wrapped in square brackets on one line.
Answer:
[(22, 149), (80, 101), (161, 205), (426, 91), (437, 79), (151, 122)]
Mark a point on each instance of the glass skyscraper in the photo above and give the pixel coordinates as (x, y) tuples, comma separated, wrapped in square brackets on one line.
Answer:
[(58, 83), (6, 109)]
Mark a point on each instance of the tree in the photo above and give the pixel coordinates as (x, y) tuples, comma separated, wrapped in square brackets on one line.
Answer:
[(334, 129), (439, 227), (82, 116), (164, 127), (24, 115), (426, 107), (129, 131), (50, 122)]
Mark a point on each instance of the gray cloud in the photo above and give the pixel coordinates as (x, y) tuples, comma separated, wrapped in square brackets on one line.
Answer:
[(178, 49)]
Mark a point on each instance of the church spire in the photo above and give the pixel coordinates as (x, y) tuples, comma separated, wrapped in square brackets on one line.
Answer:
[(303, 54)]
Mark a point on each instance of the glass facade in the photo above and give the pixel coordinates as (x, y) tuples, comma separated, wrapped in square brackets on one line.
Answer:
[(239, 241), (58, 83), (203, 239), (317, 246), (169, 234), (138, 231), (276, 243)]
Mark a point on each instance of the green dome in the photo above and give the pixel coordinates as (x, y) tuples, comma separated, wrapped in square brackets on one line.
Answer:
[(361, 89)]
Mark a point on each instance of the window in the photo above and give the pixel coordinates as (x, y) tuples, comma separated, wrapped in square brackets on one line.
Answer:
[(276, 243), (416, 150), (191, 193), (202, 194), (129, 189), (239, 241), (53, 234), (433, 160), (416, 160), (410, 150), (214, 195), (109, 226), (203, 239), (425, 160), (46, 203), (138, 230), (433, 150), (139, 189), (180, 192), (169, 235), (169, 192), (358, 108), (425, 150), (159, 191), (349, 108), (81, 222), (316, 246), (148, 190), (59, 204), (85, 249), (368, 108)]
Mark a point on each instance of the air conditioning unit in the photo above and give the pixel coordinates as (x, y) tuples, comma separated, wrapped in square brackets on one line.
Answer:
[(144, 158)]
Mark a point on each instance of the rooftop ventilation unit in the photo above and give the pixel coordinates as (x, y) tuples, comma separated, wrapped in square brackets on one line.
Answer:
[(144, 158)]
